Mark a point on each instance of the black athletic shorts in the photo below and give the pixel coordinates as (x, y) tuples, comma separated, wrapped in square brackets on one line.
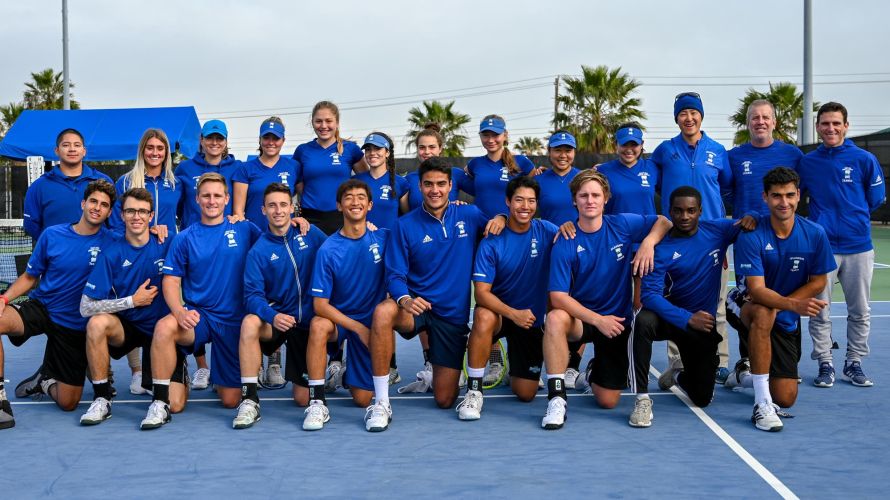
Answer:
[(525, 349), (329, 221), (297, 339), (448, 342), (65, 356), (180, 372), (786, 346), (610, 359), (133, 338)]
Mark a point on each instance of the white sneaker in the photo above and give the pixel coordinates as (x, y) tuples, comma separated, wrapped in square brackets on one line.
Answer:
[(742, 369), (556, 414), (471, 407), (462, 381), (248, 414), (201, 380), (158, 415), (273, 376), (572, 377), (642, 414), (493, 375), (394, 377), (582, 383), (99, 411), (333, 376), (136, 384), (377, 417), (541, 383), (316, 415), (765, 417)]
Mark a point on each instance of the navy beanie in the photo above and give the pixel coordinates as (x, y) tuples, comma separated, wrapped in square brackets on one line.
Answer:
[(688, 102)]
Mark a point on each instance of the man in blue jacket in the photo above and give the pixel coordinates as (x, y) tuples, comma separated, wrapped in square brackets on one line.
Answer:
[(56, 195), (845, 185), (694, 159)]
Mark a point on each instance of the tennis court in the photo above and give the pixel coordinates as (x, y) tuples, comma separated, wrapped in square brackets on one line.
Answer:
[(835, 446)]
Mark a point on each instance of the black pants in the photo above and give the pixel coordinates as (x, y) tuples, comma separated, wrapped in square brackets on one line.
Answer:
[(698, 350)]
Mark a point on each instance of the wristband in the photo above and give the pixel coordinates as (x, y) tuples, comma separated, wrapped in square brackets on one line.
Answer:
[(5, 299)]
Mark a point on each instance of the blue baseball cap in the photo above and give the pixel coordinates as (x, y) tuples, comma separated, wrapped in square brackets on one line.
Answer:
[(376, 140), (562, 139), (272, 127), (628, 134), (215, 127), (496, 125)]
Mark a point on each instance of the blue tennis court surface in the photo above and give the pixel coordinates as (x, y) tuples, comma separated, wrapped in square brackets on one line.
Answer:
[(837, 446)]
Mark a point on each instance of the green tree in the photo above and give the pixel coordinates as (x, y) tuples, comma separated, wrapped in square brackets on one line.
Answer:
[(46, 91), (450, 122), (529, 146), (593, 105), (789, 109), (8, 115)]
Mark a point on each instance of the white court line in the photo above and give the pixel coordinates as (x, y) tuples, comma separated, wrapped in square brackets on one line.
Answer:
[(774, 482), (872, 316), (332, 398)]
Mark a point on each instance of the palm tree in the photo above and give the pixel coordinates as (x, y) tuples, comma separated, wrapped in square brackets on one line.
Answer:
[(46, 91), (593, 105), (529, 146), (789, 109), (8, 115), (451, 125)]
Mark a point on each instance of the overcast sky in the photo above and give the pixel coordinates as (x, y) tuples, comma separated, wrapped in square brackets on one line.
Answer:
[(244, 60)]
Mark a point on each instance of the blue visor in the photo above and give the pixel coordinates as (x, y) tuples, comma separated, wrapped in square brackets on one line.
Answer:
[(628, 134), (376, 140), (562, 139), (495, 125)]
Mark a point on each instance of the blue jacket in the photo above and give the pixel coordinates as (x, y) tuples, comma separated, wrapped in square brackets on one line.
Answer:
[(167, 199), (187, 174), (55, 199), (704, 166), (845, 184)]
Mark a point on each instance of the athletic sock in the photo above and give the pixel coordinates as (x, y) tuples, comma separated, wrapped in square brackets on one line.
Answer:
[(316, 391), (392, 361), (761, 388), (747, 380), (556, 385), (381, 389), (474, 378), (426, 356), (643, 396), (249, 389), (161, 390), (102, 389)]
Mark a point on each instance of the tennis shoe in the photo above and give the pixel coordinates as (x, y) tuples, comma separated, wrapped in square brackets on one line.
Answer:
[(853, 373), (316, 415), (394, 377), (765, 417), (158, 415), (642, 414), (572, 377), (201, 380), (742, 369), (825, 378), (333, 376), (136, 384), (6, 419), (493, 375), (248, 414), (273, 376), (377, 417), (666, 380), (30, 386), (99, 411), (471, 407), (721, 375), (556, 414), (582, 383)]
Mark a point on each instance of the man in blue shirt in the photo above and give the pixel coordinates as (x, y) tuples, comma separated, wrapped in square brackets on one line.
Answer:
[(680, 303), (120, 300), (62, 260), (590, 289), (347, 284), (509, 274), (845, 184), (279, 306), (204, 267), (57, 194), (429, 265), (781, 266), (694, 159)]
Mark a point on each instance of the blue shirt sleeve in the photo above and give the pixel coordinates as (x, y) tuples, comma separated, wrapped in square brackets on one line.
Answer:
[(524, 163), (652, 296), (176, 262), (396, 260), (322, 274), (485, 264), (37, 262), (240, 174), (638, 226), (99, 284), (463, 182), (255, 289), (724, 177), (562, 259), (747, 255), (33, 213), (874, 186)]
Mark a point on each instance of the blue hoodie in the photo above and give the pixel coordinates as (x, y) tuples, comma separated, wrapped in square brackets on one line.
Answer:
[(274, 264), (845, 184), (704, 166), (166, 199), (54, 198), (187, 174)]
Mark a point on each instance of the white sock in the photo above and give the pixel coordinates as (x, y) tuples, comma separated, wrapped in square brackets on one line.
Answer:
[(97, 382), (381, 389), (250, 380), (316, 382), (761, 388), (160, 381), (475, 372), (746, 380)]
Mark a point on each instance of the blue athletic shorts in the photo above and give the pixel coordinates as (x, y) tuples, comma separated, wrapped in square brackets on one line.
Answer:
[(225, 367), (448, 342), (359, 373)]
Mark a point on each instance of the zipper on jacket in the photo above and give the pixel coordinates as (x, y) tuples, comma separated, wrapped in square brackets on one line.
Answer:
[(293, 262)]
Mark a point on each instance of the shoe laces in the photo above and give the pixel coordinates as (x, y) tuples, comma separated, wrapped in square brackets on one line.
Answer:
[(642, 406), (471, 400), (376, 410), (766, 409), (555, 406), (315, 410), (854, 369), (97, 405), (825, 369), (247, 406), (157, 409)]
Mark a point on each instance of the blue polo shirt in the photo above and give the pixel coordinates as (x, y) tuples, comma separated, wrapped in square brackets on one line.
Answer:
[(54, 198), (385, 197), (632, 189), (704, 166), (459, 182), (322, 170), (187, 174), (749, 164), (556, 204), (258, 176), (350, 273), (490, 180)]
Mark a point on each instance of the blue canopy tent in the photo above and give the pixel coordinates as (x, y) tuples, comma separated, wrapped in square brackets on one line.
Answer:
[(110, 134)]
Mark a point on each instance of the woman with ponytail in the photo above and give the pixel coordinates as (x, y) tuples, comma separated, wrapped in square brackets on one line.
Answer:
[(250, 180), (491, 173), (325, 162), (387, 188)]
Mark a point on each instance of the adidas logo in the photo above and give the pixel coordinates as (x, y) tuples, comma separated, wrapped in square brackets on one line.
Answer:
[(677, 255), (427, 239), (580, 249), (768, 247), (273, 258), (127, 263)]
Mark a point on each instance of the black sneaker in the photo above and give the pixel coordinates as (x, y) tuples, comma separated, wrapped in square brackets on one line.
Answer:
[(30, 386), (6, 419)]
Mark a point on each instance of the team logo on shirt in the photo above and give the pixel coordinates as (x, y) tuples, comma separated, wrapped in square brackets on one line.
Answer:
[(195, 178), (644, 179), (94, 254), (768, 247), (283, 176), (230, 236), (711, 156), (91, 286), (375, 251), (677, 255), (127, 263), (166, 183), (461, 230), (426, 239), (534, 252), (619, 256), (301, 242), (715, 254), (580, 249), (505, 174), (795, 263), (385, 190), (847, 171), (878, 181), (335, 158), (746, 168), (273, 258), (160, 264)]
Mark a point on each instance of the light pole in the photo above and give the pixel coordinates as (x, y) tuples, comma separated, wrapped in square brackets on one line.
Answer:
[(66, 99)]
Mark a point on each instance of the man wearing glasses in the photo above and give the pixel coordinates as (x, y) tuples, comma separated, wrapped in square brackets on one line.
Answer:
[(694, 159)]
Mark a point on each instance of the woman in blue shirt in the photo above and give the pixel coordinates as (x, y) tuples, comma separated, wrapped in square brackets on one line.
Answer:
[(213, 156), (556, 203), (387, 188), (250, 180), (429, 143)]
